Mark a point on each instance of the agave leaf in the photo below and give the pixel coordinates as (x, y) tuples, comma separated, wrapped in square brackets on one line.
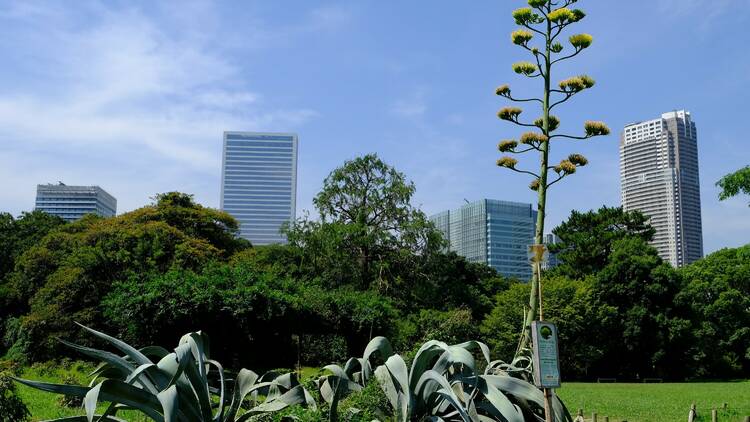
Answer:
[(156, 352), (433, 392), (200, 386), (169, 403), (113, 360), (90, 400), (523, 390), (242, 386), (138, 357), (351, 367), (379, 345), (110, 390), (102, 418), (472, 345), (454, 355), (220, 369), (423, 360), (296, 395), (393, 377), (496, 404)]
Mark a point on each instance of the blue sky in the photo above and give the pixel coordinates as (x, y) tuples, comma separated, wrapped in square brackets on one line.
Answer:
[(135, 96)]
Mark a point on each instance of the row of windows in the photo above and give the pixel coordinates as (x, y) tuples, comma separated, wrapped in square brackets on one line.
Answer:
[(265, 153), (254, 183), (282, 143)]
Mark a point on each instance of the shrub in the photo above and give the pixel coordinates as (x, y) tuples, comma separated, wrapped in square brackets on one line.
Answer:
[(12, 409)]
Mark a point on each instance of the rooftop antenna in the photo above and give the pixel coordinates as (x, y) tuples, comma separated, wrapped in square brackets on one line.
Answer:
[(467, 201)]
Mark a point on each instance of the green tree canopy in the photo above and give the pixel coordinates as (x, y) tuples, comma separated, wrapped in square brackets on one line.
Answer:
[(638, 318), (64, 276), (717, 292), (735, 183), (587, 238), (17, 235)]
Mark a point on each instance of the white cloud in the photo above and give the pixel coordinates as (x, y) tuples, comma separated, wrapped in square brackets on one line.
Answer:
[(120, 83)]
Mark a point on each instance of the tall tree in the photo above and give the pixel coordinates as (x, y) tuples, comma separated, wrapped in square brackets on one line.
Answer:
[(735, 183), (546, 19), (365, 209), (586, 238)]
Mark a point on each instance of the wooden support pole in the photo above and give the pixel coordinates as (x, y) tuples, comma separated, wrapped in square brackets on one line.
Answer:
[(692, 414), (714, 415), (593, 417), (606, 419)]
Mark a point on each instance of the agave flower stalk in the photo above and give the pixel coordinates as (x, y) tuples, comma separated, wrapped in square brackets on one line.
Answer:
[(545, 20)]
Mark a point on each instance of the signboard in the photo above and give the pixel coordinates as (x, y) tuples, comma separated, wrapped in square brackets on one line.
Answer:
[(546, 356)]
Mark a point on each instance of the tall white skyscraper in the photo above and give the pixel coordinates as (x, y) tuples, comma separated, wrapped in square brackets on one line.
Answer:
[(659, 177), (259, 183)]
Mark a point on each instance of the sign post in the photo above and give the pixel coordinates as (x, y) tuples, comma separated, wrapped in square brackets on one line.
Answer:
[(546, 362)]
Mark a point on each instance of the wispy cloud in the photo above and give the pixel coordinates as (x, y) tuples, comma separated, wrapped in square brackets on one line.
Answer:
[(412, 106), (705, 13)]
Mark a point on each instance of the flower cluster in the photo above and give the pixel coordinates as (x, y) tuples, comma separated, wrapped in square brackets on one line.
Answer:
[(526, 16), (524, 68), (533, 138), (564, 16), (521, 36), (565, 167), (503, 90), (553, 121), (578, 160), (595, 128), (576, 83), (507, 145), (509, 113), (581, 41), (508, 162)]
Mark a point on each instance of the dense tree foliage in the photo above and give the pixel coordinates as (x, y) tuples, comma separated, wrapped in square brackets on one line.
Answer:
[(17, 235), (717, 292), (587, 238), (65, 275)]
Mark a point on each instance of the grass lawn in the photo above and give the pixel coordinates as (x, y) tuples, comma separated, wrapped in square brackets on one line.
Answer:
[(658, 402)]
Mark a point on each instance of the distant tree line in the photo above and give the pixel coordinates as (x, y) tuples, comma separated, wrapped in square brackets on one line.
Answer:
[(371, 265)]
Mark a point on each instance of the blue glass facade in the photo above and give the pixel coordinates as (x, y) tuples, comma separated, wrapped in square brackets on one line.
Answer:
[(494, 232), (259, 183), (73, 202)]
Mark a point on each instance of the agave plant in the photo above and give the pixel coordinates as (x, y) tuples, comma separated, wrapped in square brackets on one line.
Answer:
[(184, 385), (443, 384)]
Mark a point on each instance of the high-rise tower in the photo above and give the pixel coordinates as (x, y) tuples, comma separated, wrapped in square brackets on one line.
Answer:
[(659, 177), (497, 233), (259, 183), (73, 202)]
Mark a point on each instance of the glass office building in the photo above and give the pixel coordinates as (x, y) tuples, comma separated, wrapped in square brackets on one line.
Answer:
[(72, 202), (259, 183), (497, 233)]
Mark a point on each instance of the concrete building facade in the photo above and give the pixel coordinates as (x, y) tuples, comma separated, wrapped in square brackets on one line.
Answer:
[(659, 177), (73, 202)]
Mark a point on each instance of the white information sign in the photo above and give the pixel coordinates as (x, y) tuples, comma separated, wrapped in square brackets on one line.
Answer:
[(546, 355)]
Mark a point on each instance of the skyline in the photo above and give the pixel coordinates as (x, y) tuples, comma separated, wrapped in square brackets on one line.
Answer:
[(135, 98)]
